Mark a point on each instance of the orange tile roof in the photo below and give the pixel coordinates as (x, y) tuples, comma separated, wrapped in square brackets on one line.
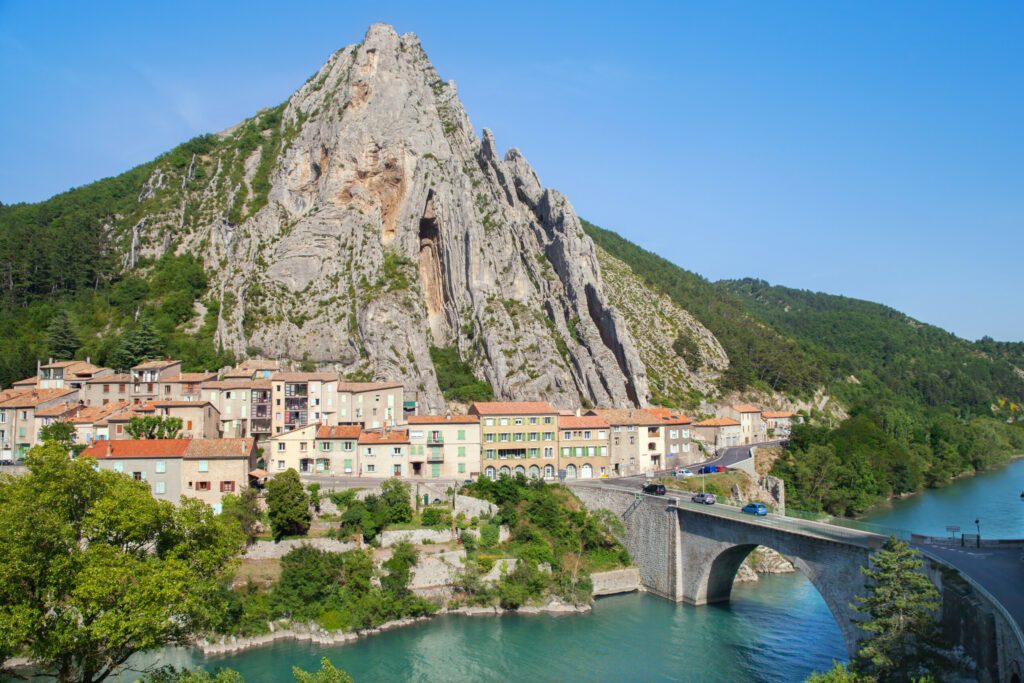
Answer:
[(258, 364), (93, 413), (27, 382), (155, 364), (74, 367), (584, 422), (718, 422), (396, 436), (669, 417), (238, 384), (443, 419), (339, 432), (220, 448), (30, 398), (304, 376), (513, 408), (117, 378), (57, 410), (187, 377), (746, 408), (137, 448), (627, 416), (775, 414)]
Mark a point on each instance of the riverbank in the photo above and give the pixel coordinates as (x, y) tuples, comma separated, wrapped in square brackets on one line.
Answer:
[(317, 636)]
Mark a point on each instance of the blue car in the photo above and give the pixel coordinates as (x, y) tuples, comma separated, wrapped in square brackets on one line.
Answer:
[(707, 469), (759, 509)]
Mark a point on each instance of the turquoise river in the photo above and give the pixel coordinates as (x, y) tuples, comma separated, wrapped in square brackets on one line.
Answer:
[(777, 629)]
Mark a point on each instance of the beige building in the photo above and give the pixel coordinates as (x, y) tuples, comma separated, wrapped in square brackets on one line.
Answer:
[(244, 406), (197, 468), (19, 428), (752, 427), (637, 442), (374, 405), (149, 380), (516, 436), (294, 450), (384, 454), (338, 445), (68, 374), (719, 432), (583, 447), (199, 419), (107, 389), (91, 424), (677, 434), (779, 423), (186, 386), (444, 446)]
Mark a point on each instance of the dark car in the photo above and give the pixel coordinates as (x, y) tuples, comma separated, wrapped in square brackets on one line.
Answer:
[(704, 498), (759, 509), (655, 489)]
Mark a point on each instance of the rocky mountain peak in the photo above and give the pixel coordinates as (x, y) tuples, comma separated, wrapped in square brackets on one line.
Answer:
[(364, 222)]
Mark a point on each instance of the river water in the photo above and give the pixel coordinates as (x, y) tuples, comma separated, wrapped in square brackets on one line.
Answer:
[(777, 629)]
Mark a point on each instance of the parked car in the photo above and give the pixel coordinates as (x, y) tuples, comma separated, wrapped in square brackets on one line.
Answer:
[(683, 472), (719, 468), (655, 489), (759, 509), (704, 498), (6, 463), (707, 469)]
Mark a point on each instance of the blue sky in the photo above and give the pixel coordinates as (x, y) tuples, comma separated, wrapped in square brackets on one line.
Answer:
[(872, 149)]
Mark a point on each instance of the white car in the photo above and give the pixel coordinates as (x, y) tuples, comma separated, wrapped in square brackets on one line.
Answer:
[(684, 473)]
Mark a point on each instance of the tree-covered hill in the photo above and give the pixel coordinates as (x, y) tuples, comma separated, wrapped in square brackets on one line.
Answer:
[(881, 346)]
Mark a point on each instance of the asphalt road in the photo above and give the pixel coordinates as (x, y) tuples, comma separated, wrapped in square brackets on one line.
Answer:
[(1000, 571)]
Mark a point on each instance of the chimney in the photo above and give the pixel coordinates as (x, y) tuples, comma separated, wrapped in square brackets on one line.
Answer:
[(110, 448)]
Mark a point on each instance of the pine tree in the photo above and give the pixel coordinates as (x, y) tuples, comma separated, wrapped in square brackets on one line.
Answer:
[(899, 609), (61, 340), (140, 343)]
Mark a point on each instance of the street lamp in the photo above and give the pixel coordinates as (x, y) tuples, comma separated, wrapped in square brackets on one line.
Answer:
[(977, 525)]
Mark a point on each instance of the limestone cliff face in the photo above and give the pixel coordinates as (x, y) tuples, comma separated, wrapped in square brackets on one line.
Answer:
[(364, 221)]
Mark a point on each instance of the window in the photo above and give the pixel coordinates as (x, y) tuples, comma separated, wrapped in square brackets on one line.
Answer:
[(616, 428), (549, 420), (120, 388), (120, 429), (227, 487), (325, 446), (371, 468), (503, 437), (534, 436), (159, 487), (368, 452), (549, 452), (397, 450), (602, 435), (119, 467), (503, 421), (586, 435), (489, 437), (488, 421), (204, 465), (673, 433), (566, 451), (461, 435), (533, 420), (188, 425), (519, 436), (202, 486), (462, 468), (302, 446), (519, 420), (106, 388), (568, 436), (138, 476), (489, 454), (462, 451), (549, 436), (161, 466), (534, 452), (280, 446)]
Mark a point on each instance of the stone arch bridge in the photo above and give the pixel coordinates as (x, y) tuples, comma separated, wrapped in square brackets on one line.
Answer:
[(690, 553)]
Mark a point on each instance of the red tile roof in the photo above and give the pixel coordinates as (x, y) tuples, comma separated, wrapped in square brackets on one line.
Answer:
[(180, 404), (339, 432), (57, 410), (304, 376), (27, 382), (155, 364), (718, 422), (513, 408), (627, 416), (396, 436), (584, 422), (443, 419), (238, 384), (170, 448), (669, 417), (220, 448), (746, 408), (93, 413)]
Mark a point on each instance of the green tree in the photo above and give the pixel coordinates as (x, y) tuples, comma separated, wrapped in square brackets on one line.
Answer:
[(61, 340), (244, 508), (153, 427), (837, 674), (395, 498), (899, 616), (60, 433), (138, 344), (399, 567), (327, 674), (314, 496), (287, 505), (309, 576), (95, 569)]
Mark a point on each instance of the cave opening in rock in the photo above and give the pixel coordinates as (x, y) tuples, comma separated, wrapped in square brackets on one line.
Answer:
[(430, 269)]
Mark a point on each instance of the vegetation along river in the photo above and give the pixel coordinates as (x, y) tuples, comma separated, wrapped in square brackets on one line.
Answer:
[(777, 629)]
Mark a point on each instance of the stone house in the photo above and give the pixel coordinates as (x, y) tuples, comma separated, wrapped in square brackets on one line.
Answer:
[(19, 429), (719, 432), (91, 424), (779, 423), (67, 374), (338, 445), (149, 380), (374, 405), (517, 437), (677, 432), (384, 454), (105, 389), (199, 419), (752, 427), (637, 441)]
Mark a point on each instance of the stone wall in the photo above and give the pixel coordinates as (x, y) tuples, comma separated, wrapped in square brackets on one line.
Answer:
[(415, 536), (616, 581), (268, 550)]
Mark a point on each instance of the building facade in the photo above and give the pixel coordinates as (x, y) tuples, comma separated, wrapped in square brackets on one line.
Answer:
[(518, 438), (752, 427), (444, 446), (583, 447)]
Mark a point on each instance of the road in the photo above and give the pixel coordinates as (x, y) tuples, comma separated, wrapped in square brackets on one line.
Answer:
[(1000, 571)]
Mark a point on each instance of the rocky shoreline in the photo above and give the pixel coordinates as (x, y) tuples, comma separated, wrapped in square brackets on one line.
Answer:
[(318, 636)]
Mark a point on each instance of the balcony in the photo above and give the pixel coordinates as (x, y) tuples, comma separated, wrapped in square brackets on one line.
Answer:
[(435, 455), (260, 426), (435, 438), (260, 398), (296, 391)]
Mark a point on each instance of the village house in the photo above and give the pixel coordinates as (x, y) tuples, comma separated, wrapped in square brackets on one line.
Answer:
[(371, 404), (19, 429), (295, 450), (107, 389), (583, 447), (636, 440), (516, 436), (300, 398), (244, 406), (174, 468), (384, 453), (678, 447), (186, 386), (444, 446), (337, 447), (199, 419), (90, 422), (779, 423), (752, 428), (67, 374), (719, 432), (149, 380)]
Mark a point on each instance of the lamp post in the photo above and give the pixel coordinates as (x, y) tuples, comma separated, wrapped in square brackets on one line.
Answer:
[(977, 525)]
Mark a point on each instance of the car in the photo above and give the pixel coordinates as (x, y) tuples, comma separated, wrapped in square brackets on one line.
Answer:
[(707, 469), (704, 498), (655, 489), (683, 472), (719, 468), (604, 475), (6, 463), (759, 509)]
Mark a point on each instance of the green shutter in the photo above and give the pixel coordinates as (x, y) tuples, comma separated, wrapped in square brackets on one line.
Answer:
[(462, 468), (462, 451), (435, 471), (462, 435)]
